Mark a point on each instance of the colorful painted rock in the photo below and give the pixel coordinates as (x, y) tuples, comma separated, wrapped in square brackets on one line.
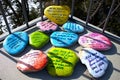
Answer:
[(16, 42), (95, 62), (73, 27), (33, 61), (61, 62), (57, 14), (38, 39), (47, 26), (63, 39), (96, 41)]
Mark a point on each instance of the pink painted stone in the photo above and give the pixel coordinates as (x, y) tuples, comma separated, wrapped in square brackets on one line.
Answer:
[(47, 26), (96, 41)]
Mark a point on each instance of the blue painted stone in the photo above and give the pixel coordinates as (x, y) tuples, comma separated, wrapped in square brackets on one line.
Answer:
[(73, 27), (63, 39), (15, 42)]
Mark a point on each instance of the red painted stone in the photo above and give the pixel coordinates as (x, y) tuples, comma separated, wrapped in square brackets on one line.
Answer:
[(33, 61)]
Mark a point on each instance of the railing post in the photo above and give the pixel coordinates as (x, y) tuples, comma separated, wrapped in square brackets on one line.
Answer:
[(25, 12), (108, 16), (4, 16), (88, 12), (72, 9), (41, 9)]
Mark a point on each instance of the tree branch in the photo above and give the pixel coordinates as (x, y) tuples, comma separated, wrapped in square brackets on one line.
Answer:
[(85, 6), (96, 10), (111, 14)]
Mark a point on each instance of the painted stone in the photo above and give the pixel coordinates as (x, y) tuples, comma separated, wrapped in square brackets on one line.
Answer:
[(16, 42), (47, 26), (57, 14), (96, 41), (61, 62), (38, 39), (73, 27), (95, 62), (33, 61), (63, 39)]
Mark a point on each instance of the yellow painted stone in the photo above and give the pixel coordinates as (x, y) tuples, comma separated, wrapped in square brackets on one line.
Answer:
[(57, 14)]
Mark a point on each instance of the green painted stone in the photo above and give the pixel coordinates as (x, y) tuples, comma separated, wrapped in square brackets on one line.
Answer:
[(61, 62), (38, 39)]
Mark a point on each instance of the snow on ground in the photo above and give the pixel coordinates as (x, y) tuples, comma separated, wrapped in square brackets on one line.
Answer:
[(32, 4)]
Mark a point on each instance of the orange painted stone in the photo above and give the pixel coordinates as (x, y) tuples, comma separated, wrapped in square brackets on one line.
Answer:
[(33, 61)]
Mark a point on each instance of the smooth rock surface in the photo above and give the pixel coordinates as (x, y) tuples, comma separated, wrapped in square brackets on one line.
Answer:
[(16, 42), (61, 62), (96, 41), (33, 61), (47, 26), (63, 39), (57, 14), (73, 27), (95, 61), (38, 39)]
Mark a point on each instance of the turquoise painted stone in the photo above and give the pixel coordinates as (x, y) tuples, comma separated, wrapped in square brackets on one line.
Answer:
[(73, 27), (61, 62), (15, 42), (63, 39), (38, 39)]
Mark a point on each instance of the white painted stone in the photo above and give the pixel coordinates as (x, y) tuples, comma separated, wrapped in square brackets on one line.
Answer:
[(95, 62)]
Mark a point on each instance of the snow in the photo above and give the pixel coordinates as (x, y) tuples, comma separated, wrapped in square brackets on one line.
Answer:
[(32, 4)]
